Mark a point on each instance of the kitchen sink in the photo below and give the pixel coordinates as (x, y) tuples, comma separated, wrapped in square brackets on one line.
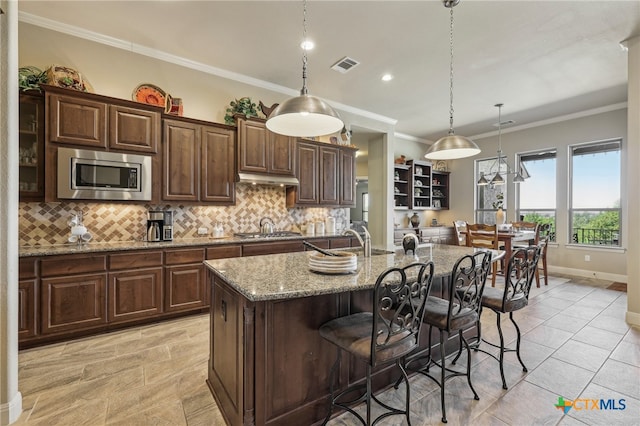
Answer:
[(277, 234)]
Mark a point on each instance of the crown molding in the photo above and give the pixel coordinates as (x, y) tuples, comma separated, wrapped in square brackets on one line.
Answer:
[(184, 62)]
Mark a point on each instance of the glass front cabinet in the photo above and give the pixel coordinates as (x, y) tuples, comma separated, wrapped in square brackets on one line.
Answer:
[(31, 147)]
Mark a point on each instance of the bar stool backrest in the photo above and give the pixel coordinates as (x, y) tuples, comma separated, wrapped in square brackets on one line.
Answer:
[(468, 277), (400, 294), (520, 273)]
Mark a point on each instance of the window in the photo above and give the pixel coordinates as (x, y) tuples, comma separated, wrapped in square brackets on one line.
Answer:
[(594, 209), (489, 197), (537, 194)]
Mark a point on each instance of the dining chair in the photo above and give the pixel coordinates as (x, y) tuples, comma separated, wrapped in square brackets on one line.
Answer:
[(480, 235), (459, 226), (386, 334), (544, 235), (521, 269), (453, 315), (526, 226)]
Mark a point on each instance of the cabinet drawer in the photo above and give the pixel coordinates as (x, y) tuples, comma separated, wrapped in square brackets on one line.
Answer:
[(27, 268), (223, 252), (179, 257), (69, 265), (341, 242), (271, 248), (128, 260)]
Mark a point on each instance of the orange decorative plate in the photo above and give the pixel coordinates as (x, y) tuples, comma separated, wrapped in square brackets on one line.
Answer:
[(152, 95)]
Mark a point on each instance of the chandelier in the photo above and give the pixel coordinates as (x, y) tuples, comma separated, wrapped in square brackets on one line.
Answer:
[(500, 167)]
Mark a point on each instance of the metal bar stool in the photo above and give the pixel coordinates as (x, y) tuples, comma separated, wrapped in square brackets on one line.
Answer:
[(387, 334), (460, 312), (515, 296)]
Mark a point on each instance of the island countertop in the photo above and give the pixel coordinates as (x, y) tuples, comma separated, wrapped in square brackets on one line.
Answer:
[(287, 275)]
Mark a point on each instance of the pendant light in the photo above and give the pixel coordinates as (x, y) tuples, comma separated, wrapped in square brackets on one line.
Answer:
[(304, 115), (451, 146), (501, 163)]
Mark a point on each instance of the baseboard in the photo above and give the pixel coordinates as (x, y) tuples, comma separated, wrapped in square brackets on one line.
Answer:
[(587, 274), (633, 319), (10, 411)]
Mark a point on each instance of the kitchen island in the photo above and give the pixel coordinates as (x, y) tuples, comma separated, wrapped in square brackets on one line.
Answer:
[(268, 364)]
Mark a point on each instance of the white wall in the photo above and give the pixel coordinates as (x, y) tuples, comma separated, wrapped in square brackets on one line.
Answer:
[(605, 263)]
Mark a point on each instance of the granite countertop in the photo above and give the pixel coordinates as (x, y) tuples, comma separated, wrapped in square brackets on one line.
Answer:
[(287, 275), (97, 247)]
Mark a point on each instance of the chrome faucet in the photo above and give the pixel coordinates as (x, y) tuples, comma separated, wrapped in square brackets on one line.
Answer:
[(366, 244)]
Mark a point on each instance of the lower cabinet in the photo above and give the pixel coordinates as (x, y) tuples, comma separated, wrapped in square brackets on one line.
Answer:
[(73, 302), (184, 280), (27, 308), (135, 294)]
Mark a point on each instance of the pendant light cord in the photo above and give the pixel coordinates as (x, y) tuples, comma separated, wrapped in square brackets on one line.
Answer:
[(451, 74), (303, 91)]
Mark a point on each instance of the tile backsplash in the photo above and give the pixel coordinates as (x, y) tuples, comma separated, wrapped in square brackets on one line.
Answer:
[(47, 223)]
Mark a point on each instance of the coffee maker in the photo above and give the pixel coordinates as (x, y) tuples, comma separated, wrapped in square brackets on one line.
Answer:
[(159, 225)]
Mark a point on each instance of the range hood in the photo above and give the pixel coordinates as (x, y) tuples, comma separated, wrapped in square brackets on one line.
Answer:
[(274, 180)]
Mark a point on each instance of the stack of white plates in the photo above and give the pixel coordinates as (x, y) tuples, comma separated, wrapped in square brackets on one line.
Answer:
[(344, 263)]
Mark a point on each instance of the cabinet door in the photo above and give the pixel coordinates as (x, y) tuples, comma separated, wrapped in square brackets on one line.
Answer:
[(184, 287), (77, 121), (347, 178), (281, 154), (181, 162), (252, 147), (133, 129), (329, 161), (217, 167), (31, 147), (27, 309), (135, 294), (73, 303), (307, 172)]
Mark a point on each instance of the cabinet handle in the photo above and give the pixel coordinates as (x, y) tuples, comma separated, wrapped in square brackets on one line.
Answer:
[(224, 311)]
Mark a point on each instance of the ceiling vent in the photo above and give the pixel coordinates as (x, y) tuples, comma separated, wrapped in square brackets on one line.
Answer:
[(345, 64)]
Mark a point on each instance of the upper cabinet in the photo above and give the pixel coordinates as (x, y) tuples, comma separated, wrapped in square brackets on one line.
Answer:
[(401, 177), (89, 120), (31, 147), (198, 162), (326, 173), (261, 151)]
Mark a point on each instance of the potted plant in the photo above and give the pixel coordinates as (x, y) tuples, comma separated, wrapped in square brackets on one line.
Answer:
[(30, 78), (242, 106)]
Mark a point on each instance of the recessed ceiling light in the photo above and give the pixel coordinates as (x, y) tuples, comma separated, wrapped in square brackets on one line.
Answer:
[(307, 45), (387, 77)]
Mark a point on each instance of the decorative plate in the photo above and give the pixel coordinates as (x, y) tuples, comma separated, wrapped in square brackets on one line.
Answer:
[(152, 95), (440, 166)]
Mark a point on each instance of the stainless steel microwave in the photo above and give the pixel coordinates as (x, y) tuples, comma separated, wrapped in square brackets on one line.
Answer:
[(98, 175)]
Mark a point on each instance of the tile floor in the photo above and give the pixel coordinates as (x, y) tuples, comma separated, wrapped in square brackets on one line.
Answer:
[(575, 344)]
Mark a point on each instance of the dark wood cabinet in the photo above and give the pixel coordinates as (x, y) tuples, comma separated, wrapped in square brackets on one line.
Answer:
[(73, 302), (135, 285), (184, 279), (417, 186), (256, 249), (307, 165), (28, 307), (89, 120), (329, 175), (263, 152), (326, 175), (197, 163), (31, 147)]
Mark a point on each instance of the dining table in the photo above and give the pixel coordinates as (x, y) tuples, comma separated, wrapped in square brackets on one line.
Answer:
[(509, 237)]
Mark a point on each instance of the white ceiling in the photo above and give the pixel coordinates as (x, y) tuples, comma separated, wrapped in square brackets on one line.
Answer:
[(542, 59)]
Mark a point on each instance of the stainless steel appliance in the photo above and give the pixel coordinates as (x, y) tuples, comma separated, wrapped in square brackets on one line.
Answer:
[(98, 175), (159, 225)]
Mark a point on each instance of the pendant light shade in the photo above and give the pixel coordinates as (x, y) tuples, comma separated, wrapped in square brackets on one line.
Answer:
[(482, 181), (452, 146), (304, 115)]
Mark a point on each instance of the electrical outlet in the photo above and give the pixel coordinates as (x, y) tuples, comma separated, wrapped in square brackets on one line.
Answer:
[(587, 258), (203, 231)]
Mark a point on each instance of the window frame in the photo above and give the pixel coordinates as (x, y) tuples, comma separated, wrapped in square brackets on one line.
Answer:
[(478, 212), (542, 211), (570, 210)]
